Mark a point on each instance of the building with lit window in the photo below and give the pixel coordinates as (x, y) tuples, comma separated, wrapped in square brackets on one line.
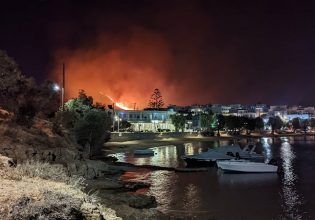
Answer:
[(147, 120)]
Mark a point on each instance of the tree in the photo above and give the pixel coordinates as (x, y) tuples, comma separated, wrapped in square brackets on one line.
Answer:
[(232, 122), (92, 129), (304, 124), (259, 123), (81, 105), (220, 121), (207, 120), (90, 123), (156, 100), (249, 124), (15, 88), (296, 123), (123, 125), (21, 95), (275, 123), (10, 77), (47, 99), (178, 121)]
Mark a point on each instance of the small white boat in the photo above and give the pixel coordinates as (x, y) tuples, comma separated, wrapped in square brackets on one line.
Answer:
[(146, 152), (245, 166)]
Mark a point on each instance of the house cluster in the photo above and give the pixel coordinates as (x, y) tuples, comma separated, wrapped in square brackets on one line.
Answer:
[(160, 120)]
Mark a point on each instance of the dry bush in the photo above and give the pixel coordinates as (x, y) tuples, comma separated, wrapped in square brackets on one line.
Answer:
[(52, 206), (44, 170), (36, 190)]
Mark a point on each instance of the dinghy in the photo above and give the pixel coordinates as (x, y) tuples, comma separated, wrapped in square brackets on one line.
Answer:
[(144, 152)]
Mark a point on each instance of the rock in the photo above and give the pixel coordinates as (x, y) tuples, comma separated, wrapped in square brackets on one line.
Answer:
[(138, 201), (127, 212), (91, 169), (135, 185), (91, 212), (109, 214), (6, 161), (105, 184), (98, 212)]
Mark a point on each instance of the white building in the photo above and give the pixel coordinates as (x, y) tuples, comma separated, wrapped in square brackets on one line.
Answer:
[(147, 120)]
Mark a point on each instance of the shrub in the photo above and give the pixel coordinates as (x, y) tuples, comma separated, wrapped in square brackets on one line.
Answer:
[(26, 114), (92, 129), (65, 119), (44, 170), (52, 206)]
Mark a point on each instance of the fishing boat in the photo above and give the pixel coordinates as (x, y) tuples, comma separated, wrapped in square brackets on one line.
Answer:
[(210, 157), (144, 152), (245, 166)]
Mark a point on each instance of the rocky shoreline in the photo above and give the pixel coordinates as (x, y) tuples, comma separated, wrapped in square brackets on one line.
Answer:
[(19, 145)]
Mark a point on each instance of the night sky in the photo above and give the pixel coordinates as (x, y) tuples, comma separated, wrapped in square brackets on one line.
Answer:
[(193, 51)]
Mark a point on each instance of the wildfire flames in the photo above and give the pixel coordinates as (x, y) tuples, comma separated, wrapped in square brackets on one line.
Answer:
[(118, 104), (126, 72)]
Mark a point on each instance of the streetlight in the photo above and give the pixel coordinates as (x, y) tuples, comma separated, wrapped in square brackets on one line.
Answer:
[(118, 120), (56, 87)]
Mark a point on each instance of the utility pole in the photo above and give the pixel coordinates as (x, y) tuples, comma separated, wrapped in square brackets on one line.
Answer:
[(134, 106), (63, 87), (114, 117)]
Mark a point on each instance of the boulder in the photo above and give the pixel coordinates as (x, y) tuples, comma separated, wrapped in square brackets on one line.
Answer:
[(138, 201), (127, 212), (133, 186), (6, 161), (105, 184), (98, 212)]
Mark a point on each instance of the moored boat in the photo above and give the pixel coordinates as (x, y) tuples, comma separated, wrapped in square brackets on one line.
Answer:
[(245, 166), (209, 157), (145, 152)]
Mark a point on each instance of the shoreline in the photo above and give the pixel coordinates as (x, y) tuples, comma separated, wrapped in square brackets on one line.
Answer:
[(126, 146)]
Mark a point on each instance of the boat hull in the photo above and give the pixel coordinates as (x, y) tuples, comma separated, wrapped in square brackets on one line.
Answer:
[(246, 167), (143, 152), (199, 163)]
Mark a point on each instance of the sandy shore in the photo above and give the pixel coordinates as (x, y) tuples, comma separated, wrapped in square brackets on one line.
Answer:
[(125, 146), (116, 147)]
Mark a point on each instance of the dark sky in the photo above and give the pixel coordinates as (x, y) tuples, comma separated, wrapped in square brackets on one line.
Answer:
[(194, 51)]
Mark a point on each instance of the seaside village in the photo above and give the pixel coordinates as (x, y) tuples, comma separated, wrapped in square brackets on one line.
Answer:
[(149, 120)]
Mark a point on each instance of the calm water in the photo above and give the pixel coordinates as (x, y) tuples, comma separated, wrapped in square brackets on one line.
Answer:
[(216, 195)]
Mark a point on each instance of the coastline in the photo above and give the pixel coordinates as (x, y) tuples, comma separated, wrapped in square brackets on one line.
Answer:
[(127, 146)]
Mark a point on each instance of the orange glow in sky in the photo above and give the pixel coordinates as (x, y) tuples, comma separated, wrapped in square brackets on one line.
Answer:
[(128, 72)]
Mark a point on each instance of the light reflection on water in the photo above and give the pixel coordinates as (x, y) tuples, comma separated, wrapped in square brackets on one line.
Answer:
[(267, 148), (291, 198), (210, 194)]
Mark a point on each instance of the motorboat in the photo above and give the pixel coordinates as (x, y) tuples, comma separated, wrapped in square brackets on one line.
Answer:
[(245, 166), (209, 157), (143, 152)]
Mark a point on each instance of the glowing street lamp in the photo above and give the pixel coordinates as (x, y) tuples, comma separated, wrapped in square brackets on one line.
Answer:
[(56, 87), (118, 120)]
